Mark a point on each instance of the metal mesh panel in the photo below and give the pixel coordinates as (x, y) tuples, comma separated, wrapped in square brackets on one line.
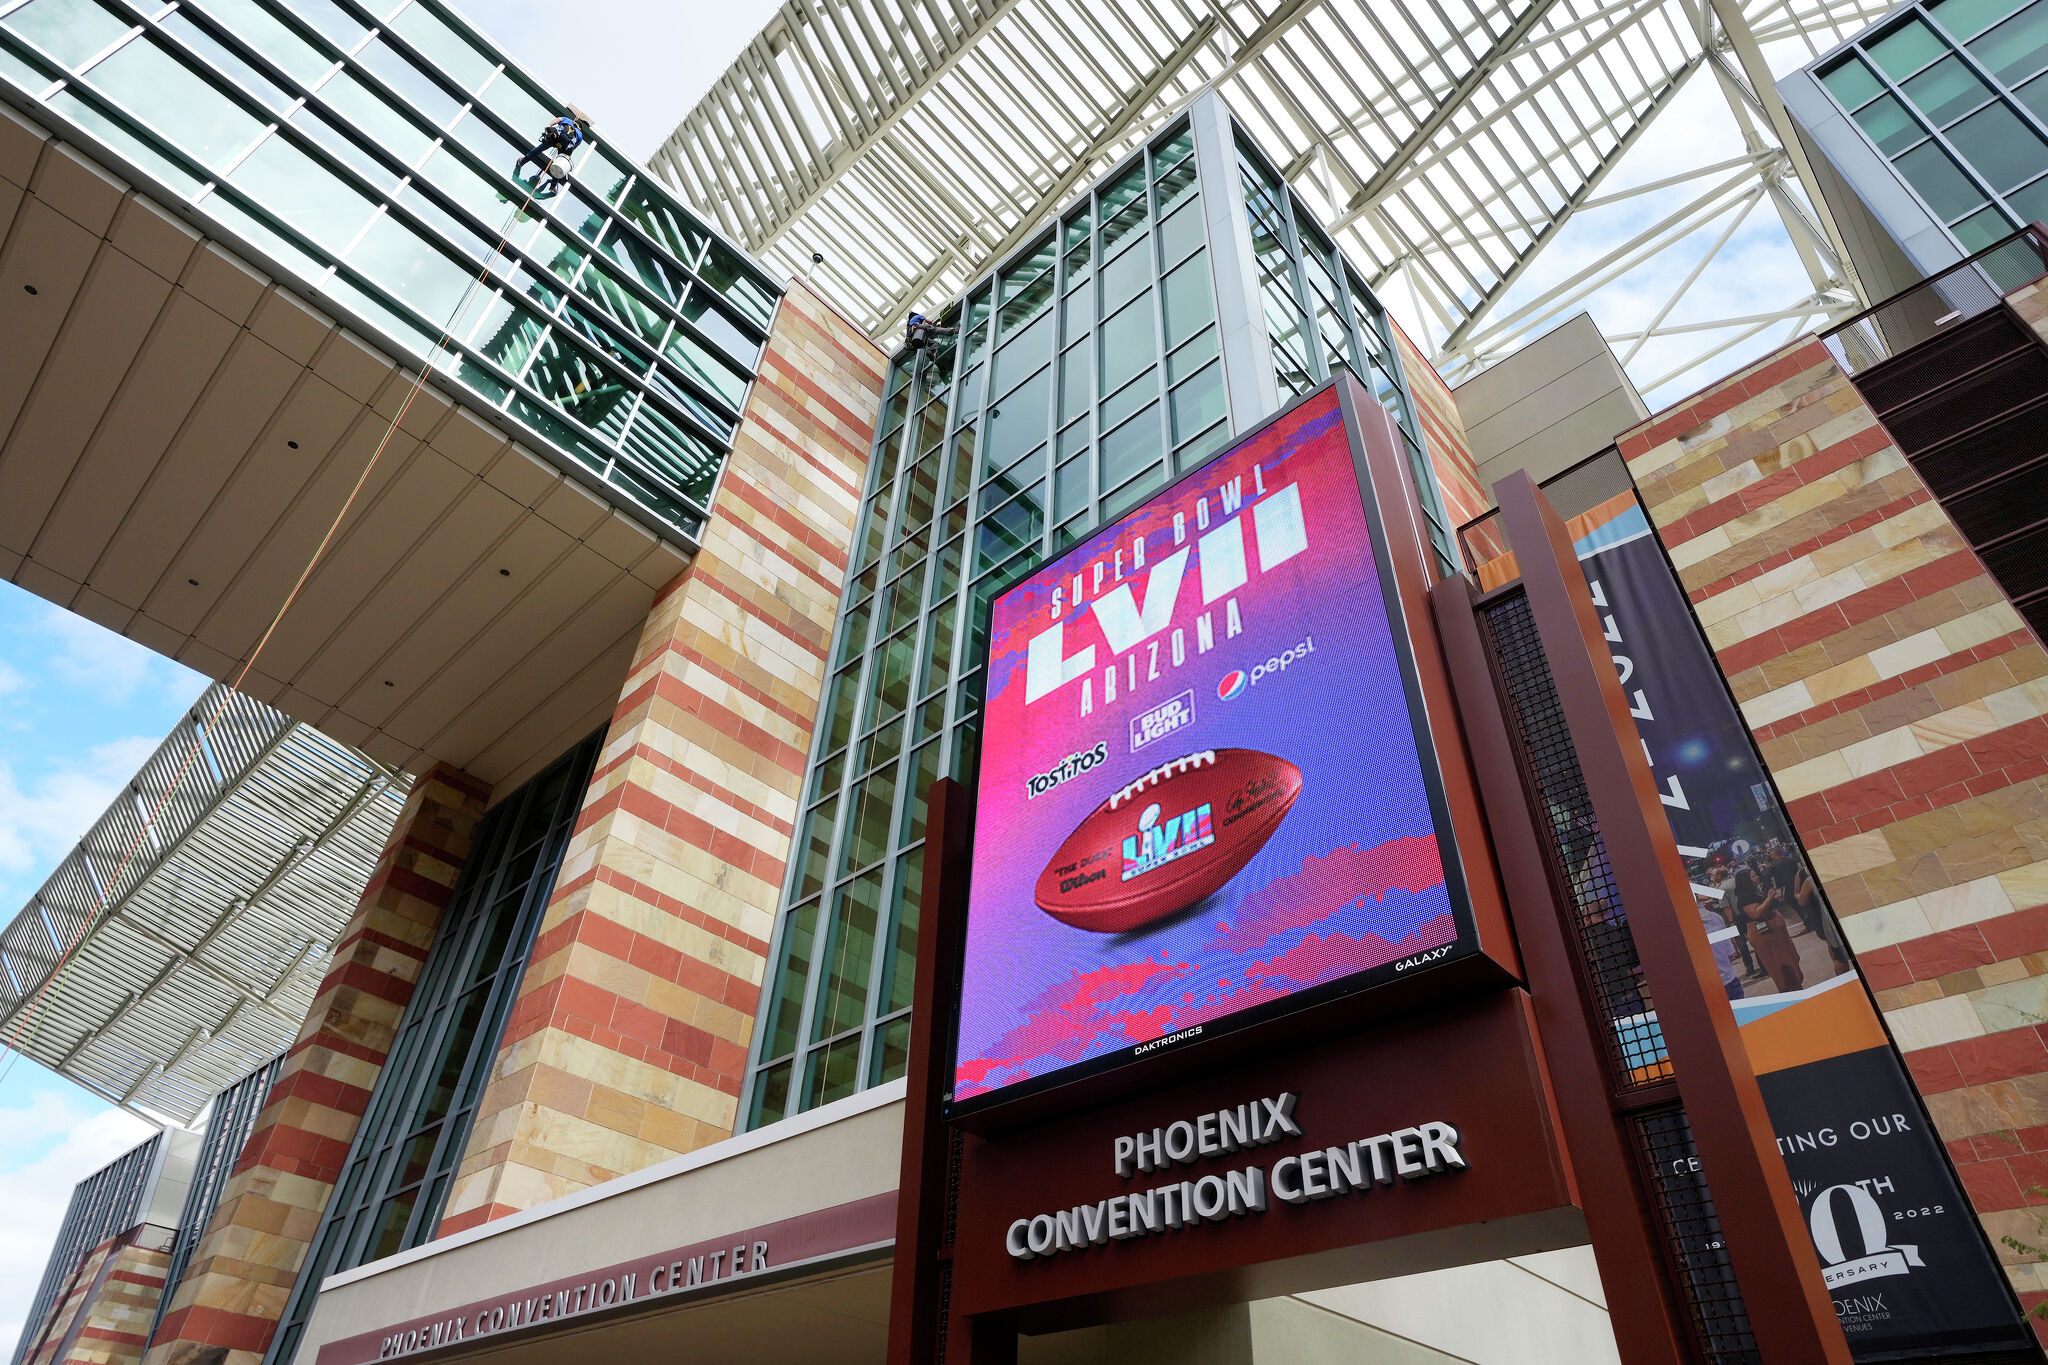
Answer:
[(1692, 1231), (1599, 922)]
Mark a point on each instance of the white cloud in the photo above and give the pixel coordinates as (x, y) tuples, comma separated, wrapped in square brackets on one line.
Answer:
[(42, 820), (35, 1191), (89, 656)]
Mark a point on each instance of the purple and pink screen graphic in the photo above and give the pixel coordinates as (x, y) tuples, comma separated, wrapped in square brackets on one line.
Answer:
[(1240, 610)]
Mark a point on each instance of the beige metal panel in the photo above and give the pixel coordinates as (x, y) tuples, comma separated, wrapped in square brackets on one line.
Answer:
[(522, 753), (522, 476), (846, 1151), (162, 386), (410, 506), (453, 635), (513, 701), (572, 508), (266, 478), (78, 189), (244, 392), (153, 237), (49, 253), (356, 655), (12, 197), (109, 321), (466, 439), (571, 584), (221, 282), (21, 145), (292, 326)]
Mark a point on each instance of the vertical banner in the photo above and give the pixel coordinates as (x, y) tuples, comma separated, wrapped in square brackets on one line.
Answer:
[(1905, 1260)]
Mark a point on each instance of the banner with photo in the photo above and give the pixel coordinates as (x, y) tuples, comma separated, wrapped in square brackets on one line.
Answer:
[(1906, 1262)]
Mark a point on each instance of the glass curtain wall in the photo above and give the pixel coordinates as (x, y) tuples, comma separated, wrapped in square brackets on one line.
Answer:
[(1320, 318), (228, 1126), (1955, 96), (404, 1157), (367, 148), (1088, 370), (107, 1202)]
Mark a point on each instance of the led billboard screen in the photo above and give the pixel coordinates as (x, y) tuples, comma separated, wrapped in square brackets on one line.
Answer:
[(1201, 798)]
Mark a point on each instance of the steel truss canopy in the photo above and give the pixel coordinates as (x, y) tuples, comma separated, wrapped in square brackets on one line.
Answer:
[(200, 957), (1449, 142)]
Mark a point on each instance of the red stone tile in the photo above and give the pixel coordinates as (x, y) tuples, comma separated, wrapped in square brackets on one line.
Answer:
[(2016, 935), (1852, 798), (1991, 1186), (1999, 1056), (1884, 968), (1934, 1070), (1952, 950)]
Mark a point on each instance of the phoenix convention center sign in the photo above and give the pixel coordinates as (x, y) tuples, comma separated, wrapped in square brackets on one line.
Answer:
[(1204, 798)]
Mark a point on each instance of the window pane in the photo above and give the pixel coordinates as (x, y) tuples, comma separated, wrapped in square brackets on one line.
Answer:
[(892, 1052), (343, 148), (1191, 357), (406, 264), (1023, 353), (1011, 528), (849, 953), (1129, 399), (305, 194), (1181, 233), (411, 83), (2034, 94), (443, 46), (786, 1003), (1945, 91), (1198, 403), (518, 106), (2031, 203), (167, 95), (832, 1073), (667, 225), (1129, 344), (724, 271), (1020, 420), (1852, 83), (924, 770), (2000, 145), (1965, 19), (269, 36), (1190, 303), (1982, 228), (1131, 448), (1934, 173), (1123, 277), (771, 1095), (1177, 187), (685, 459), (69, 30), (1906, 49), (372, 113), (815, 847), (1070, 488), (1889, 125), (212, 52), (1074, 374), (2017, 48)]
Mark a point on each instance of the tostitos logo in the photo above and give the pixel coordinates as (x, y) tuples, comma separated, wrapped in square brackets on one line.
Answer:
[(1231, 684)]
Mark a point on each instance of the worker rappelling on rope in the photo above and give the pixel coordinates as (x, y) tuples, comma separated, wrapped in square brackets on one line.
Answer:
[(558, 142), (919, 331)]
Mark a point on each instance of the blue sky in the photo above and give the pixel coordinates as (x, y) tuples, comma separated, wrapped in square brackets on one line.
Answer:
[(80, 708)]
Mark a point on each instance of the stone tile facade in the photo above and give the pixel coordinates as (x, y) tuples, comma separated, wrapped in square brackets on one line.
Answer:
[(1443, 434), (628, 1043), (104, 1315), (1902, 708), (226, 1308)]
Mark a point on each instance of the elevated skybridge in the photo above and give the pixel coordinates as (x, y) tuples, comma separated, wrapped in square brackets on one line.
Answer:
[(200, 957), (916, 142)]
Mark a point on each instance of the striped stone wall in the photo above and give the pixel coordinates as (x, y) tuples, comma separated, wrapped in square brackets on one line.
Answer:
[(628, 1043), (103, 1317), (1902, 708), (1443, 433), (227, 1306)]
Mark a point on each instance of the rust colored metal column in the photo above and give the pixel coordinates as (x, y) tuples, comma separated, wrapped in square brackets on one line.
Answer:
[(1767, 1243), (1648, 1318)]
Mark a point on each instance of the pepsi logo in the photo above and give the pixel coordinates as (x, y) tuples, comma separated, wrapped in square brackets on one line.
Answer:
[(1230, 684)]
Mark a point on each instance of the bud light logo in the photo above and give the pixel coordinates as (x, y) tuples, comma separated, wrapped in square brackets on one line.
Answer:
[(1233, 683)]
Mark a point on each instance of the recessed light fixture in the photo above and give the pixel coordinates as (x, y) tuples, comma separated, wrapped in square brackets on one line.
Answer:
[(193, 581), (28, 289), (387, 682), (504, 573), (293, 444)]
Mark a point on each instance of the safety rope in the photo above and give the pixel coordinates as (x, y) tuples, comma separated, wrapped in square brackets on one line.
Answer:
[(32, 1018)]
